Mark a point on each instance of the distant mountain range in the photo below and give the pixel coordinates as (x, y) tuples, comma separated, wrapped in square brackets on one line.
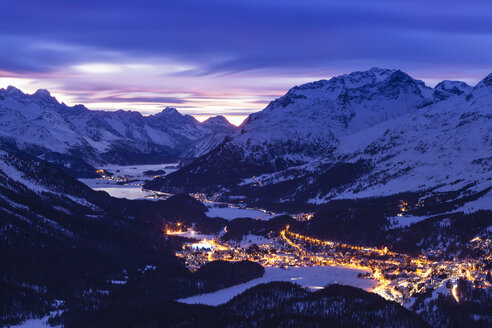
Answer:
[(364, 134), (76, 138)]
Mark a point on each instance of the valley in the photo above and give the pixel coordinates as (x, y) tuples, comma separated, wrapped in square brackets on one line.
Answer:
[(245, 164), (397, 276)]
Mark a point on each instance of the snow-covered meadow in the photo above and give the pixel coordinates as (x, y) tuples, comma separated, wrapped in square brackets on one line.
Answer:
[(310, 277), (231, 213)]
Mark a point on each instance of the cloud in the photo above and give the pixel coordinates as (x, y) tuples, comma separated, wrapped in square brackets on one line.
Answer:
[(166, 100), (227, 36), (249, 48)]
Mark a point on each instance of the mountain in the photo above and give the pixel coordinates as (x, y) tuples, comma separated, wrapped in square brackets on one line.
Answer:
[(76, 138), (222, 129), (365, 134), (446, 89), (218, 122)]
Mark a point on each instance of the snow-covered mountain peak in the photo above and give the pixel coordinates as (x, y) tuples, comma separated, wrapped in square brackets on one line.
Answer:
[(482, 89), (364, 78), (169, 111), (456, 87), (381, 73), (218, 120), (11, 91), (15, 99), (39, 124), (170, 118), (45, 96), (42, 93), (447, 88), (376, 83), (346, 81), (171, 114), (485, 83), (399, 77), (327, 109), (219, 128), (398, 83)]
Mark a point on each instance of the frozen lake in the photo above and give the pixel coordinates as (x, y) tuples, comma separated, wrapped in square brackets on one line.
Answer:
[(231, 213), (133, 190), (310, 277), (128, 193), (35, 323), (138, 170)]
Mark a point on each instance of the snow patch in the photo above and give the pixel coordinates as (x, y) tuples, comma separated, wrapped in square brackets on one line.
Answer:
[(231, 213), (309, 277)]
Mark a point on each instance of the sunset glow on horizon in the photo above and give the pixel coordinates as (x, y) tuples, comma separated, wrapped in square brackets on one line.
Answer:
[(236, 120), (229, 59)]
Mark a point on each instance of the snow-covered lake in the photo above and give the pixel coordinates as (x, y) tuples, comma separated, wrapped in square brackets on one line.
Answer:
[(133, 190), (310, 277), (119, 191), (405, 220), (138, 170), (129, 193), (231, 213), (35, 323)]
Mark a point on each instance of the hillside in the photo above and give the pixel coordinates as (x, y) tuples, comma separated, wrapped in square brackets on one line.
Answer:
[(66, 247)]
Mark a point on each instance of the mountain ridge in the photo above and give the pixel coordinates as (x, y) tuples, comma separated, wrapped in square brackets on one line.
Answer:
[(375, 128), (41, 126)]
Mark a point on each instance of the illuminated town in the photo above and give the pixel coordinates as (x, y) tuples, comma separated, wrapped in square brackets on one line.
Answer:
[(399, 276)]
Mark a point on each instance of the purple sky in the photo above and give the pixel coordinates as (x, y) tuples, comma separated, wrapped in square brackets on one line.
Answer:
[(230, 57)]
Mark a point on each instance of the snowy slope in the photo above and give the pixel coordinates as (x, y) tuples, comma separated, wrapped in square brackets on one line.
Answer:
[(364, 134), (34, 121), (309, 277), (39, 125), (316, 114), (444, 144), (307, 122), (222, 129)]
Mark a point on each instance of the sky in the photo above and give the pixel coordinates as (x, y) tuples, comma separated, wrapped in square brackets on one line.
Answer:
[(230, 57)]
